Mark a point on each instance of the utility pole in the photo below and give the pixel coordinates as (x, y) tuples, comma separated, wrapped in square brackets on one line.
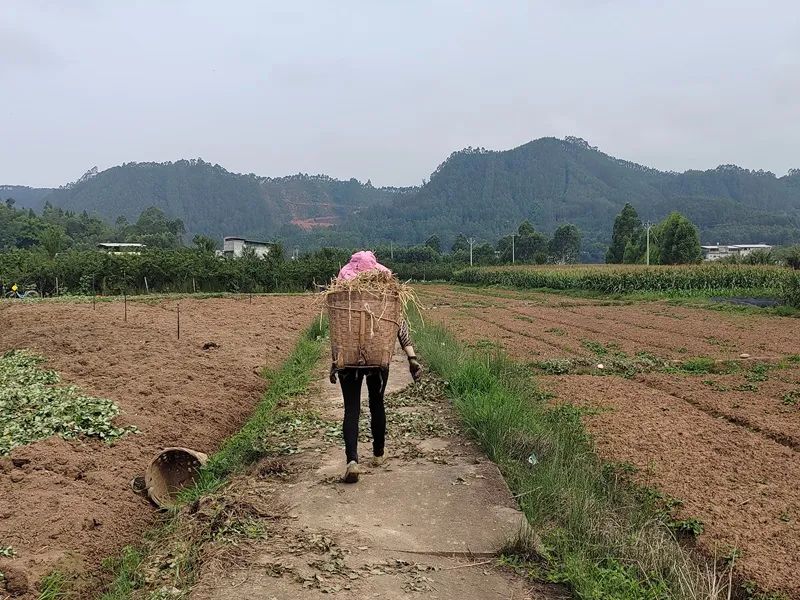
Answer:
[(471, 243), (513, 235), (391, 250), (647, 255)]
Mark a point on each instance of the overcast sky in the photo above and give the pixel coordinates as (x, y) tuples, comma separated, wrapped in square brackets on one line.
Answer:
[(386, 90)]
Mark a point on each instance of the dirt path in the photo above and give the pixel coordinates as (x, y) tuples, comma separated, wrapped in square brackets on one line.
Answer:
[(428, 523)]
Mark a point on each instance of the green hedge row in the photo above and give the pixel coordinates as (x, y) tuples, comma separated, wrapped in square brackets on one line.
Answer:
[(183, 270)]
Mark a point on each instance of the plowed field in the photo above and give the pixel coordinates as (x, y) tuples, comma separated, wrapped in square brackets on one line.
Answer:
[(67, 504), (722, 436)]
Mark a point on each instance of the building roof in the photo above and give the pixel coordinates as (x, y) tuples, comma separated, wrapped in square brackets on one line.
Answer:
[(119, 245), (233, 238), (737, 246)]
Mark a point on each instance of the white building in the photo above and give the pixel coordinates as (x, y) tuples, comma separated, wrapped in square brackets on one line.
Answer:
[(717, 252), (121, 247), (234, 247)]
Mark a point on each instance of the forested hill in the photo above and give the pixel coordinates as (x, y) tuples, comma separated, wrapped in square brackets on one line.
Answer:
[(210, 200), (480, 193), (551, 181), (24, 196)]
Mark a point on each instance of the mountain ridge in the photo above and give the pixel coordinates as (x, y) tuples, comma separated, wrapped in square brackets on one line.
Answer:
[(474, 191)]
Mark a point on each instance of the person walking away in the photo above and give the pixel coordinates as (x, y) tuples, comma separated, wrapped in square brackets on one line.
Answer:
[(351, 379)]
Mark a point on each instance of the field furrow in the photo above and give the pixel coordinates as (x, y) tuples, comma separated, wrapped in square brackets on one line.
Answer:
[(715, 423)]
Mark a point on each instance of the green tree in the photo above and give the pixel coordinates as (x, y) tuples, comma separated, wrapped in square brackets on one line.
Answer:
[(678, 241), (790, 256), (415, 254), (483, 254), (53, 240), (565, 247), (154, 229), (19, 228), (627, 227), (204, 243), (526, 229), (435, 243), (460, 244), (636, 248), (530, 245), (505, 249)]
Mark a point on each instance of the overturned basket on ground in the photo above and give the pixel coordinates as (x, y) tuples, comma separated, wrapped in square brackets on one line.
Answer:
[(363, 326), (173, 470)]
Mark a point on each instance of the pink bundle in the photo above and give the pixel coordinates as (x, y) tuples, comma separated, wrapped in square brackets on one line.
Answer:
[(359, 263)]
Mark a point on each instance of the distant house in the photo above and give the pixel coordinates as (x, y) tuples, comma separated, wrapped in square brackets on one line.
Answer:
[(121, 247), (234, 247), (717, 252)]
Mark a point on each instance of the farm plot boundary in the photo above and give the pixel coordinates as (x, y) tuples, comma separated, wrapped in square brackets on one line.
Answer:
[(720, 403), (590, 528), (180, 530), (194, 391)]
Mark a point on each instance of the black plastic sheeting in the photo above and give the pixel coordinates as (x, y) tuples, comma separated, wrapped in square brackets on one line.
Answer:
[(744, 301)]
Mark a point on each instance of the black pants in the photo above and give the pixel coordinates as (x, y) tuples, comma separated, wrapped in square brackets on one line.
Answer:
[(350, 380)]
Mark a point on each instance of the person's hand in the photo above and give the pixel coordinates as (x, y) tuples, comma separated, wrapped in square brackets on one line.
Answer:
[(415, 368), (333, 373)]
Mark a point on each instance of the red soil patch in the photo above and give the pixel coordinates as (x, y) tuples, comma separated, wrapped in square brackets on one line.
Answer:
[(314, 223), (730, 454), (72, 500)]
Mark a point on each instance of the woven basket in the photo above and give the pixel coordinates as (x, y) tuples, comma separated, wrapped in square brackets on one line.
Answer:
[(171, 471), (363, 328)]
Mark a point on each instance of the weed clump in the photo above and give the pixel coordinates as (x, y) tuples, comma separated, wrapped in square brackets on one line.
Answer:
[(791, 398)]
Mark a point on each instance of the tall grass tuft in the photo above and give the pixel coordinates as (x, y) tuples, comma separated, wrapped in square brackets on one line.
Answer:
[(592, 532)]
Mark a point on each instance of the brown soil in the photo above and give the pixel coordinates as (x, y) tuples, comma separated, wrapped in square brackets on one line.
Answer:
[(727, 445), (555, 325), (72, 501), (742, 486), (771, 407)]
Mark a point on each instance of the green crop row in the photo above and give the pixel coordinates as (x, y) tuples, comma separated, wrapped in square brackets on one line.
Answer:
[(714, 278)]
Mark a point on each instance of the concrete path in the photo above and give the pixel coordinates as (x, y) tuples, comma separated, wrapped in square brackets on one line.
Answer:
[(430, 522)]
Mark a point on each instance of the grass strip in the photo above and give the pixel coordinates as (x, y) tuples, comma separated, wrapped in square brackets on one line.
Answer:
[(590, 529), (239, 451)]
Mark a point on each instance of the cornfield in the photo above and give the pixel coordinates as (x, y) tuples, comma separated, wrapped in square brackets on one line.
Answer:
[(619, 279)]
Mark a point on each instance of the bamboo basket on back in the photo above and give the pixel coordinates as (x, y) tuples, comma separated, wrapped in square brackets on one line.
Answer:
[(363, 326)]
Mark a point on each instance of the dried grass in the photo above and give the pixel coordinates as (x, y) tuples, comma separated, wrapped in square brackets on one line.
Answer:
[(215, 532), (373, 282)]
